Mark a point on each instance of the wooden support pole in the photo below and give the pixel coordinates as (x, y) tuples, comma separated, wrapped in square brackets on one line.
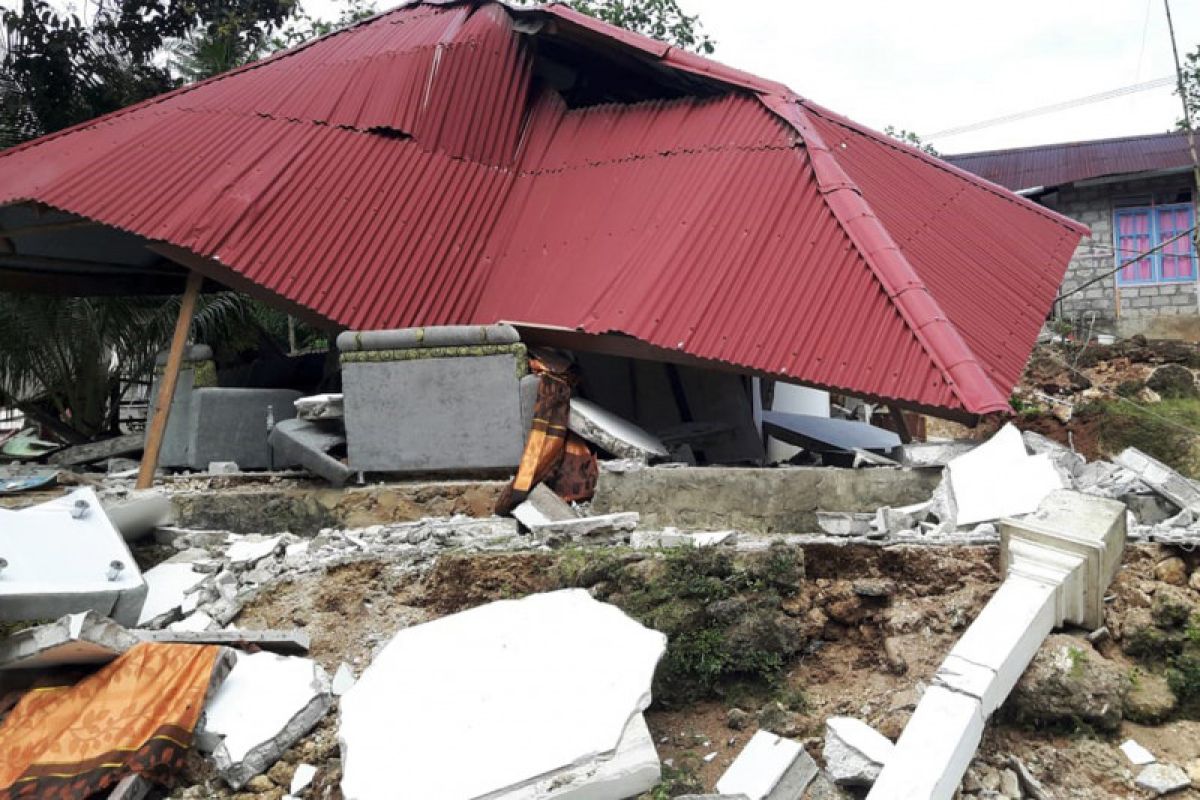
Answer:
[(901, 424), (166, 392)]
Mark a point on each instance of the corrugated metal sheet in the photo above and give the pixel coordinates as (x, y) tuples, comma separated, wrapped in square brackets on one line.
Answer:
[(412, 171), (1057, 164)]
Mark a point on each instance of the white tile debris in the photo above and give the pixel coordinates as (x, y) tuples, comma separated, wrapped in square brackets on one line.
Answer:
[(247, 551), (525, 689), (1000, 479), (855, 753), (1137, 755), (343, 679), (302, 778), (760, 766), (169, 586), (265, 705), (1163, 779)]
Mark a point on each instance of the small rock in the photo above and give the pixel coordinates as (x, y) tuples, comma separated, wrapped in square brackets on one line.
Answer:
[(1172, 570), (1163, 779), (855, 753), (894, 656), (1194, 581), (777, 719), (259, 784), (1193, 771), (1173, 380), (874, 587), (1010, 784), (1172, 607), (1150, 699), (1068, 681), (737, 719)]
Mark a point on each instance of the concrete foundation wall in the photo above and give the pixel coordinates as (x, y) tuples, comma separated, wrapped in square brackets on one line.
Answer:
[(756, 500)]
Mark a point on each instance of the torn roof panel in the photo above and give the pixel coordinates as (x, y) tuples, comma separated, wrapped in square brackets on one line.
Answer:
[(431, 166)]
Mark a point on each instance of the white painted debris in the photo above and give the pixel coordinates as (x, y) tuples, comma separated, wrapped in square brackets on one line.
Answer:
[(169, 585), (713, 538), (196, 622), (85, 638), (1000, 479), (1162, 779), (609, 432), (246, 551), (321, 406), (1161, 478), (527, 690), (543, 507), (65, 557), (266, 705), (760, 766), (343, 679), (1137, 755), (302, 778), (855, 753)]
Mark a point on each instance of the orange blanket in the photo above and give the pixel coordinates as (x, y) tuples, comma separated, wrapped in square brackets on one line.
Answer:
[(137, 714)]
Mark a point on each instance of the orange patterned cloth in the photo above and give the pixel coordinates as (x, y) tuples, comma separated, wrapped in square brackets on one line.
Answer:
[(137, 714)]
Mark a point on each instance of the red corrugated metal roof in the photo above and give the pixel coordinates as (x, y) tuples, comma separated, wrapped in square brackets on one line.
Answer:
[(1056, 164), (415, 170)]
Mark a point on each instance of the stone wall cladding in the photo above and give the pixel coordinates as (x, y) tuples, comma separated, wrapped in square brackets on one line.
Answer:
[(1097, 305)]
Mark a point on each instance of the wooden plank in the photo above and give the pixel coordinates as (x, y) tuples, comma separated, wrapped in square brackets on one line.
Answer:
[(166, 394), (901, 424), (95, 451)]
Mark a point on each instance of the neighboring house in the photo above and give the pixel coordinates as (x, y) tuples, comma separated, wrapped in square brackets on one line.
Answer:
[(1134, 193)]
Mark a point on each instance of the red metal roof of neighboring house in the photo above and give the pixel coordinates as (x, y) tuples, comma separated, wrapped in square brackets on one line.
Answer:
[(415, 170), (1056, 164)]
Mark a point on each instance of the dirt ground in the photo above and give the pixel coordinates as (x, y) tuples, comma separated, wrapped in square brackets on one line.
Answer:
[(868, 659)]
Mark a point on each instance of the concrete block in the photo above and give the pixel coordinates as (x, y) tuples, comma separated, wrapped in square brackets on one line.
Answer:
[(76, 639), (612, 434), (310, 444), (854, 753), (434, 414), (760, 767), (266, 705), (543, 507), (999, 479), (64, 557), (525, 689)]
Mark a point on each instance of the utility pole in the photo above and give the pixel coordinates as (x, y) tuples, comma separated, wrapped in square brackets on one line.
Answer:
[(1187, 117)]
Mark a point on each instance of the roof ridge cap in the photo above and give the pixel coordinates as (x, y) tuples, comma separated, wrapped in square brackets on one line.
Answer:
[(1064, 145), (922, 315)]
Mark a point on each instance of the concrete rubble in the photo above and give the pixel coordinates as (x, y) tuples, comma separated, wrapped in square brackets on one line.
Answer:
[(265, 705), (565, 682), (77, 639), (1137, 755), (612, 434), (1161, 779), (854, 753), (769, 768)]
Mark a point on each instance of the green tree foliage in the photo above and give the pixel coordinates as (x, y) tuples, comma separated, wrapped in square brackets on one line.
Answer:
[(910, 138), (661, 19), (1191, 88)]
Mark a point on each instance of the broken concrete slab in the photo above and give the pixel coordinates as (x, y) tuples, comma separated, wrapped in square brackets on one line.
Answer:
[(855, 753), (1162, 779), (613, 434), (245, 551), (760, 767), (266, 705), (311, 445), (293, 642), (76, 639), (38, 582), (1000, 479), (564, 676), (543, 507), (1161, 478), (321, 406), (169, 585), (603, 528), (1137, 755)]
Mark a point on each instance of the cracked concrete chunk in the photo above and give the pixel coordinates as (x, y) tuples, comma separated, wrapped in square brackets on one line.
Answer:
[(266, 705), (525, 689), (1163, 779), (543, 507), (855, 753), (1000, 479), (1161, 478), (607, 527), (313, 446), (86, 638), (246, 551), (169, 585), (611, 433), (761, 766)]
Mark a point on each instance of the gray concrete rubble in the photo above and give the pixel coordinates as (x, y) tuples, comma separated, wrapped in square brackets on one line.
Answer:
[(291, 643), (612, 434), (922, 455), (266, 705), (769, 768), (321, 407), (1161, 478), (76, 639), (543, 507), (1160, 779), (457, 390), (670, 537), (37, 582), (311, 444), (855, 753), (601, 529), (542, 697)]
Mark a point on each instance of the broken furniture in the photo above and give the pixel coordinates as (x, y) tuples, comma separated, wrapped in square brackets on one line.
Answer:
[(210, 423), (314, 446), (828, 436), (1059, 562), (542, 698), (445, 399), (64, 557)]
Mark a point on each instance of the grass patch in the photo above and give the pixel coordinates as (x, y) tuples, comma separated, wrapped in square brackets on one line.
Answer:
[(1162, 430)]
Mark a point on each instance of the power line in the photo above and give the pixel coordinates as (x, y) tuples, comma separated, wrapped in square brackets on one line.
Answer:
[(1063, 106)]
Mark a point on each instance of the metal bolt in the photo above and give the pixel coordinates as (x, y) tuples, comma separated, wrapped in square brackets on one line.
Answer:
[(115, 568), (3, 564), (80, 509)]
